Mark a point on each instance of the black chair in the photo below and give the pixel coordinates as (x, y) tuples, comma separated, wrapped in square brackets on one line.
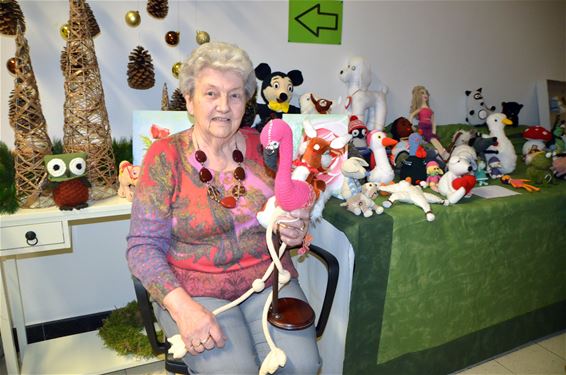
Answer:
[(177, 366)]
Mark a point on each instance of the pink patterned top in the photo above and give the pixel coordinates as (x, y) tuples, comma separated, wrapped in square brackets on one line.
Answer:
[(179, 238)]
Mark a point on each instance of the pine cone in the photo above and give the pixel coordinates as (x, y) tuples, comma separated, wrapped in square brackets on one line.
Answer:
[(92, 24), (140, 69), (157, 8), (178, 102), (10, 15)]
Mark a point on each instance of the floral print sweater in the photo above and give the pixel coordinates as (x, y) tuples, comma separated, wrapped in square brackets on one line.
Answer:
[(180, 238)]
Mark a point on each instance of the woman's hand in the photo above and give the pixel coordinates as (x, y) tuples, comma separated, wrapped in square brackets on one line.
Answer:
[(197, 326), (293, 226)]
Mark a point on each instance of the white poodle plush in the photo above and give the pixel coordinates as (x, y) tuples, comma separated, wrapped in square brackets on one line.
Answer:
[(370, 106), (457, 182), (404, 191), (361, 204), (506, 154)]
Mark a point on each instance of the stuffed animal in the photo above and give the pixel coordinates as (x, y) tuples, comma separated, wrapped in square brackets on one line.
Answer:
[(496, 123), (318, 154), (481, 174), (401, 128), (353, 169), (404, 191), (414, 166), (476, 110), (382, 173), (539, 170), (128, 178), (518, 183), (358, 131), (361, 204), (310, 104), (457, 181), (433, 174), (511, 110), (494, 167), (483, 146), (276, 90), (370, 106), (67, 180), (536, 139), (370, 190)]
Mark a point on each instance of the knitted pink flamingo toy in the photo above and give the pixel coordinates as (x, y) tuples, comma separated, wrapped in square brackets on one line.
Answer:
[(290, 194)]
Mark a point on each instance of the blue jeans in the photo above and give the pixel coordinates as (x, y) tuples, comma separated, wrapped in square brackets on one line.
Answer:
[(246, 346)]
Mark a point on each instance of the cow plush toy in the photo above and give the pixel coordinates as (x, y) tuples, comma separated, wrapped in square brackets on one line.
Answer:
[(276, 91)]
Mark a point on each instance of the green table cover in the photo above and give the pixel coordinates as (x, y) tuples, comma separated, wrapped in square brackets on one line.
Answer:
[(432, 297)]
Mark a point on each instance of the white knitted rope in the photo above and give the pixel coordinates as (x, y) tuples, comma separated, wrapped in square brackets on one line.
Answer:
[(276, 357)]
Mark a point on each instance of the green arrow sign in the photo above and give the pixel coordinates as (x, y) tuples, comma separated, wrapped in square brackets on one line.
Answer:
[(315, 21)]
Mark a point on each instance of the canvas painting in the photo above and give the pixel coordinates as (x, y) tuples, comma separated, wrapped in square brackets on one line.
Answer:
[(148, 126)]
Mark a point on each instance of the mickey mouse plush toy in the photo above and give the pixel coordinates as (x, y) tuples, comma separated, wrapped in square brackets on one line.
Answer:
[(276, 90)]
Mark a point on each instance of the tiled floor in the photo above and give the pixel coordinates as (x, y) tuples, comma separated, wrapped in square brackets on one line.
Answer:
[(545, 357)]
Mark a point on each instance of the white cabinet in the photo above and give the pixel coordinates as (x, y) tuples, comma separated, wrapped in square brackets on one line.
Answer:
[(30, 232)]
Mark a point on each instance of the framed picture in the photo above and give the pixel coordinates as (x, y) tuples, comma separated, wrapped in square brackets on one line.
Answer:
[(551, 97), (148, 126)]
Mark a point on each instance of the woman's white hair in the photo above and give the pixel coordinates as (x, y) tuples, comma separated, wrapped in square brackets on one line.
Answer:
[(221, 56)]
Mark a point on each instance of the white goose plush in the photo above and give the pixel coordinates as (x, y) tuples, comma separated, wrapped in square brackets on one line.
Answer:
[(505, 151), (382, 173)]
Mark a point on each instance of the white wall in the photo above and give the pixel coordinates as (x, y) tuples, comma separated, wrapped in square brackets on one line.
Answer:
[(449, 46)]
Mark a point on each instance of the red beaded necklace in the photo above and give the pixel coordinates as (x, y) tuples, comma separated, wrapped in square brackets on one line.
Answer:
[(238, 189)]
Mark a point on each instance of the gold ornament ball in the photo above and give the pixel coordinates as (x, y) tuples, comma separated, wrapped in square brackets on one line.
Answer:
[(64, 31), (176, 69), (11, 65), (133, 18), (172, 38), (202, 37)]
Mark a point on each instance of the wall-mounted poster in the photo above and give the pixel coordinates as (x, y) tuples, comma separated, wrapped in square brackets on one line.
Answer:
[(148, 126)]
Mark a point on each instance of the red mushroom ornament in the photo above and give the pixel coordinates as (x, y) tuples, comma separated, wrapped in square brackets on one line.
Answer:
[(536, 138)]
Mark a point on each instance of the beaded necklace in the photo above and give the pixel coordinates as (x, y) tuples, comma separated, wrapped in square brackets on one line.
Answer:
[(213, 192)]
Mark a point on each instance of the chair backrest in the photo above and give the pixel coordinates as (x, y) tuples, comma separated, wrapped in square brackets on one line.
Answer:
[(178, 366)]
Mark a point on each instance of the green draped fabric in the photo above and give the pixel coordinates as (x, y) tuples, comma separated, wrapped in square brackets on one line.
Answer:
[(478, 280)]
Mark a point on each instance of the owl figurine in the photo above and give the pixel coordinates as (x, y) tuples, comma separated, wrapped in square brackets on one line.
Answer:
[(67, 180)]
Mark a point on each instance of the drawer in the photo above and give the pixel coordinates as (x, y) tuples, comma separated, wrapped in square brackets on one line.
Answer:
[(29, 238)]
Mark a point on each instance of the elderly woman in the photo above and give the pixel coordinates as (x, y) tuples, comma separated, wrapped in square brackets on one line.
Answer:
[(194, 240)]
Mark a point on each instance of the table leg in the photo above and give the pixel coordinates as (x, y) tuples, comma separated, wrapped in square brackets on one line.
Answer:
[(12, 364)]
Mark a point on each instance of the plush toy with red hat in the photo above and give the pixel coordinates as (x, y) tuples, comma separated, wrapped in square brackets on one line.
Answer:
[(358, 130)]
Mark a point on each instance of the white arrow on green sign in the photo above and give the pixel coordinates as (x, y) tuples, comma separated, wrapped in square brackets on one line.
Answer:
[(315, 21)]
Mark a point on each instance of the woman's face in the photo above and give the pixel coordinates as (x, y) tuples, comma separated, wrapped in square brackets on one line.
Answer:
[(218, 102)]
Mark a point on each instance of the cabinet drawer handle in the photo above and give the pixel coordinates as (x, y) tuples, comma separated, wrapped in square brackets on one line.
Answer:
[(31, 238)]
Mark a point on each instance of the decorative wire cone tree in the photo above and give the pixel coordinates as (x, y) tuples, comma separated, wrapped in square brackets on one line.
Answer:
[(10, 17), (164, 98), (86, 126), (32, 142)]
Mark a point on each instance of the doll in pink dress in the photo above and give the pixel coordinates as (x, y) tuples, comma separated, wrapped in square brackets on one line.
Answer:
[(421, 110)]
